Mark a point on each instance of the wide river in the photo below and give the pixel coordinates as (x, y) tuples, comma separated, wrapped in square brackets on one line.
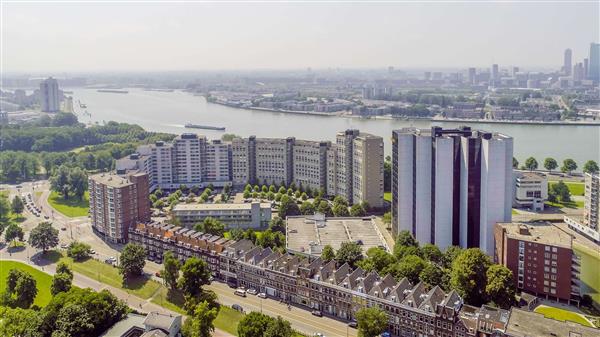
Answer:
[(169, 111)]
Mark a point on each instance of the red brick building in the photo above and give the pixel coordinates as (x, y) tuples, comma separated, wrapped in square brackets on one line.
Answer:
[(118, 202), (541, 258)]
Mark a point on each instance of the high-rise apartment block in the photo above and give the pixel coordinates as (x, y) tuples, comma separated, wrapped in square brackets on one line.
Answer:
[(49, 95), (352, 167), (591, 213), (117, 202), (567, 62), (594, 66), (450, 186)]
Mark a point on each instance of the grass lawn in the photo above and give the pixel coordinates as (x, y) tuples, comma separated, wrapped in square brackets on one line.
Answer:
[(562, 315), (43, 280), (514, 211), (387, 196), (142, 287), (71, 207), (570, 204), (228, 320), (574, 188)]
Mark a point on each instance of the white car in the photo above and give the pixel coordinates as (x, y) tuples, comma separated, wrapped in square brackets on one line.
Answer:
[(318, 334), (262, 295), (252, 291)]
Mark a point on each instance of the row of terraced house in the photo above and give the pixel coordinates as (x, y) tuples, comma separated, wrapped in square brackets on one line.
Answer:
[(414, 310)]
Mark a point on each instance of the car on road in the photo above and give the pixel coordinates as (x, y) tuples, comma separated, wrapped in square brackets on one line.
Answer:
[(262, 295), (64, 246), (111, 260), (46, 217), (318, 334), (91, 251), (237, 307), (317, 313), (240, 292), (353, 324), (63, 228), (252, 291)]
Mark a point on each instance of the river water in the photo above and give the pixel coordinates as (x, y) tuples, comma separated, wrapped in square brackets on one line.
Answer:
[(169, 111)]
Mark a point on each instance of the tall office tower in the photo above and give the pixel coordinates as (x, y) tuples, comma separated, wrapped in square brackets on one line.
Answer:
[(585, 68), (495, 75), (472, 76), (591, 209), (310, 164), (567, 63), (594, 67), (578, 72), (449, 187), (49, 95), (355, 168), (117, 202)]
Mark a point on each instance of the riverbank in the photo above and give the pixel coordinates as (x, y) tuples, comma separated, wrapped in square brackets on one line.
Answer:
[(347, 114)]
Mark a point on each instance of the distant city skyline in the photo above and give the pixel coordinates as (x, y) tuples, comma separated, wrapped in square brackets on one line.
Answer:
[(90, 37)]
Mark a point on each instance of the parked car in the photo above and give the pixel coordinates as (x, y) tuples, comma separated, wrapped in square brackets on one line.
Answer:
[(318, 334), (317, 313), (64, 246), (262, 295), (240, 292), (237, 307), (252, 291), (353, 324), (46, 217), (91, 251)]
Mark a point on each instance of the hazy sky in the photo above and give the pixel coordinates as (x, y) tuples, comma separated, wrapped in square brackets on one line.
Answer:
[(41, 37)]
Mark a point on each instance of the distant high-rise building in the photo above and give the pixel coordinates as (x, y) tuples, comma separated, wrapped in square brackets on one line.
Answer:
[(427, 76), (515, 70), (495, 75), (578, 72), (472, 76), (567, 63), (585, 68), (594, 67), (449, 187), (49, 95)]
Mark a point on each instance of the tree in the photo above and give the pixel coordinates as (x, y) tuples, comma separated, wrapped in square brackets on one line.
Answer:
[(59, 181), (78, 182), (279, 327), (200, 324), (63, 268), (569, 165), (559, 191), (339, 200), (78, 251), (211, 226), (350, 253), (371, 322), (431, 253), (433, 275), (194, 274), (405, 238), (410, 267), (531, 164), (324, 208), (44, 236), (19, 322), (590, 167), (13, 231), (170, 272), (132, 260), (288, 207), (327, 254), (468, 276), (550, 164), (277, 224), (4, 210), (61, 282), (73, 320), (387, 218), (307, 208), (253, 325), (340, 210), (515, 163), (378, 260), (236, 233), (500, 287), (357, 210), (450, 255), (17, 205), (21, 287)]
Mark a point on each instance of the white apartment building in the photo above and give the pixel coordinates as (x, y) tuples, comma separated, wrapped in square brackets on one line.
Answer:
[(531, 190), (310, 164), (218, 159), (49, 95), (241, 215), (274, 160), (591, 215), (449, 187)]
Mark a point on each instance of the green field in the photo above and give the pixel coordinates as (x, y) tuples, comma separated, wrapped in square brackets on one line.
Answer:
[(562, 315), (574, 188), (142, 287), (43, 280), (71, 207), (387, 196), (570, 204)]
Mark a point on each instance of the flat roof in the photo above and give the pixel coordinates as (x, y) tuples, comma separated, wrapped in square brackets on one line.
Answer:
[(309, 234), (539, 232), (526, 323), (224, 206), (110, 179)]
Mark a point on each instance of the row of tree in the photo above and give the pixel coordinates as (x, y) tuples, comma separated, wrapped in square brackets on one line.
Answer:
[(550, 164)]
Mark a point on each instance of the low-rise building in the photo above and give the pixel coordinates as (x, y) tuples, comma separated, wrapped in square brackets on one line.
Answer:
[(155, 324), (158, 238), (118, 202), (531, 190), (523, 323), (239, 215), (541, 257)]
